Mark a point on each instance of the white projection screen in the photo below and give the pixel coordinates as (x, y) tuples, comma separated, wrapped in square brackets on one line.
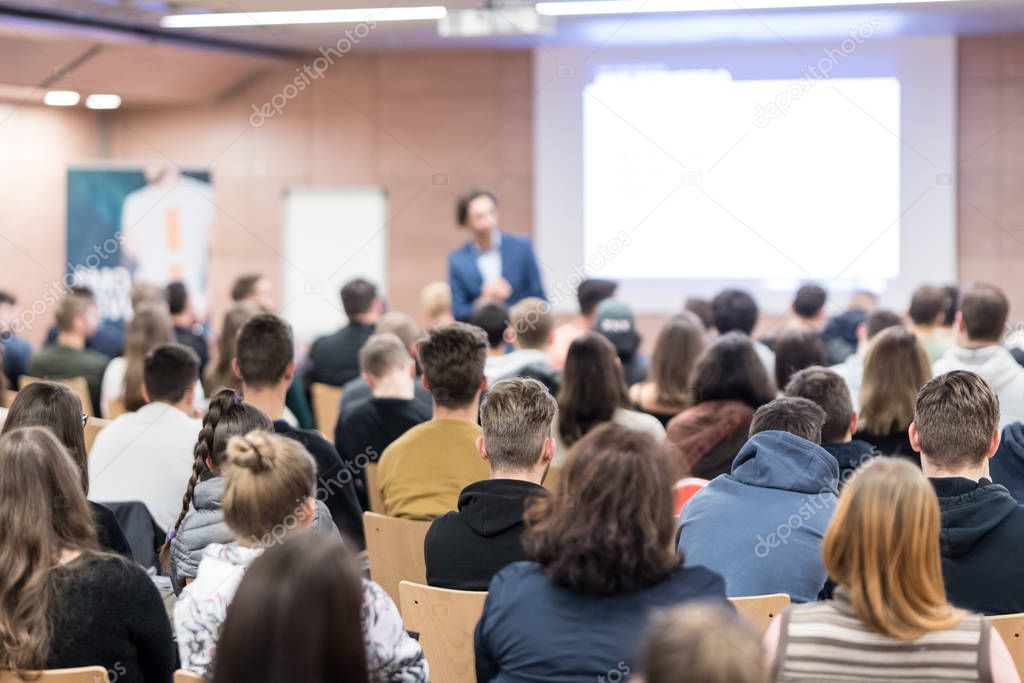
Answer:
[(696, 169)]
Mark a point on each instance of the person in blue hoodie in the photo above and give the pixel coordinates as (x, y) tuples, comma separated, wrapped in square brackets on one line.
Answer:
[(761, 525), (956, 431), (1007, 465)]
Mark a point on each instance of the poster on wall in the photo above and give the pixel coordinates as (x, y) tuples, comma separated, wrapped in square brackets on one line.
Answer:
[(138, 224)]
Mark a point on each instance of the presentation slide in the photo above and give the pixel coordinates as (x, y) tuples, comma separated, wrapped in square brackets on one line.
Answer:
[(718, 177)]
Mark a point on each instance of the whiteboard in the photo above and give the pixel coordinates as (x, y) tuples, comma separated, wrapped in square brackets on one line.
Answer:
[(331, 235)]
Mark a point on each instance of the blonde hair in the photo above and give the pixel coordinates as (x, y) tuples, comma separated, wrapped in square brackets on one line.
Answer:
[(895, 368), (882, 545), (437, 299), (269, 479)]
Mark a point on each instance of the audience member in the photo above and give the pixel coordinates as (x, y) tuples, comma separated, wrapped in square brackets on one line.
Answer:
[(391, 411), (829, 392), (77, 320), (187, 330), (16, 350), (927, 314), (743, 525), (796, 349), (593, 392), (492, 318), (255, 289), (895, 367), (334, 359), (602, 560), (529, 332), (735, 310), (706, 643), (980, 325), (890, 618), (729, 384), (264, 360), (106, 338), (701, 308), (422, 472), (493, 266), (616, 323), (1007, 465), (65, 603), (58, 409), (590, 293), (147, 455), (852, 368), (221, 374), (436, 298), (269, 497), (956, 431), (808, 308), (464, 549), (667, 393), (840, 334)]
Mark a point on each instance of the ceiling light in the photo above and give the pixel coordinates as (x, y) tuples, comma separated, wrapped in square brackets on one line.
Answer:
[(590, 7), (61, 98), (317, 16), (103, 101)]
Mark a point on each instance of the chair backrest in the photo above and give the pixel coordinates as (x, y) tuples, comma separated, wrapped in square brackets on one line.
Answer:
[(92, 427), (394, 548), (81, 674), (373, 494), (182, 676), (9, 398), (685, 489), (551, 479), (445, 620), (79, 385), (116, 408), (761, 609), (326, 406), (1011, 628)]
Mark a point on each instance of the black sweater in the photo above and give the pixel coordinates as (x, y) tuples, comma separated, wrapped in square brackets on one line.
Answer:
[(107, 612)]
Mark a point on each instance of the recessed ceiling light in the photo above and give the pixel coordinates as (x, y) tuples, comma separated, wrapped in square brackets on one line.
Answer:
[(61, 98), (103, 101), (318, 16), (591, 7)]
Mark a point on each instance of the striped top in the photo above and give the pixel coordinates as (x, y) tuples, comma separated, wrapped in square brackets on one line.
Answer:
[(825, 641)]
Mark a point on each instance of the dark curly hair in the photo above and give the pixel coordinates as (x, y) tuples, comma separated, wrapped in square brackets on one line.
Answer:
[(609, 527)]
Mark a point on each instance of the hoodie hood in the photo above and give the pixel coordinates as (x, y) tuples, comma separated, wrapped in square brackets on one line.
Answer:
[(994, 363), (970, 510), (1007, 466), (780, 460), (494, 506)]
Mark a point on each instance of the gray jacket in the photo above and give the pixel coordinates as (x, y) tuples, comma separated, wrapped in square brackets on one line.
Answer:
[(204, 524)]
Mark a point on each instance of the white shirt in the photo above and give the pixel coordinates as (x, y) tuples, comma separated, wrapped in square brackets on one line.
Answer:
[(511, 364), (489, 262), (146, 456), (631, 419), (852, 372), (112, 387), (995, 365)]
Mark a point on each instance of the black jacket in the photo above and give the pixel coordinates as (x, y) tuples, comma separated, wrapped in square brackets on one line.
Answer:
[(850, 455), (465, 549), (982, 553), (1007, 466), (334, 359)]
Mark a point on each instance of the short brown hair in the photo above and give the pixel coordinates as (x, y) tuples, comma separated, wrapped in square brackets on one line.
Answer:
[(795, 350), (383, 353), (453, 358), (169, 371), (927, 304), (466, 198), (516, 416), (609, 527), (263, 350), (829, 391), (956, 415), (532, 322), (880, 320), (72, 307), (798, 416), (984, 309), (705, 642), (357, 296), (401, 325), (244, 286)]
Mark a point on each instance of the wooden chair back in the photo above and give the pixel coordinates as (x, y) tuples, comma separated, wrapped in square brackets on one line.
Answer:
[(1011, 628), (445, 620), (182, 676), (116, 408), (373, 494), (326, 406), (761, 609), (9, 397), (394, 548), (80, 674), (79, 385), (92, 427)]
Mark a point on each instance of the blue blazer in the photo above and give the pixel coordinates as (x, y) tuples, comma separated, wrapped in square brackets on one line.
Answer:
[(518, 266)]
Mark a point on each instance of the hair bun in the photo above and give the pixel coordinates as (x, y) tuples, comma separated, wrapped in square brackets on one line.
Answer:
[(253, 452)]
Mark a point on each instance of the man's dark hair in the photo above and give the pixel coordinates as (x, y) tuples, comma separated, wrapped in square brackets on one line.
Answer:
[(591, 292), (177, 297), (881, 320), (466, 198), (453, 358), (702, 309), (809, 300), (244, 286), (734, 310), (927, 304), (956, 415), (263, 350), (493, 319), (7, 298), (357, 296), (168, 371), (829, 391), (796, 349), (798, 416), (984, 309)]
